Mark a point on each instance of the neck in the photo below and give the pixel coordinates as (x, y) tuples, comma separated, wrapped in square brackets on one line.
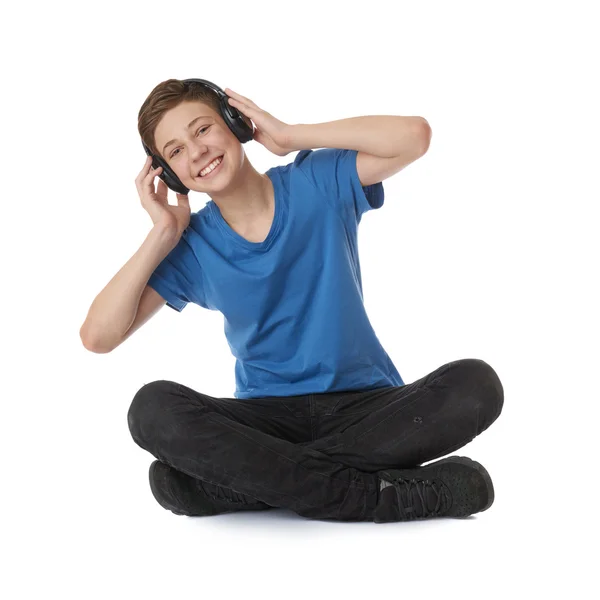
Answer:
[(248, 197)]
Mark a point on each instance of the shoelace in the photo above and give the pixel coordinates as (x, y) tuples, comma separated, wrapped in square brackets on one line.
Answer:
[(407, 501), (220, 493)]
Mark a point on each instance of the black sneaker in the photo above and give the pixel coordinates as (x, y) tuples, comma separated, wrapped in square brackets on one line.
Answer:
[(452, 487), (184, 495)]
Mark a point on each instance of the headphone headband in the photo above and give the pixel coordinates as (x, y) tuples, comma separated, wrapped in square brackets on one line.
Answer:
[(237, 122)]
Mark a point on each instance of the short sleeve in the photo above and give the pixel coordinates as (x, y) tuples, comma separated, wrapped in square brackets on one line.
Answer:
[(333, 173), (178, 278)]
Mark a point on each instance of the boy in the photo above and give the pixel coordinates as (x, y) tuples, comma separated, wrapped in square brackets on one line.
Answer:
[(321, 422)]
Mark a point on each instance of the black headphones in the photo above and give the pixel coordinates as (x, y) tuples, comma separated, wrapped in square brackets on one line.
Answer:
[(239, 124)]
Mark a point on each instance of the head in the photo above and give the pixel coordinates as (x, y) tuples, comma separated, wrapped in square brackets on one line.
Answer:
[(163, 126)]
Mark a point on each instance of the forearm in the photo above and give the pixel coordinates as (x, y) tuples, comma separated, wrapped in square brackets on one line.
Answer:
[(115, 307), (381, 135)]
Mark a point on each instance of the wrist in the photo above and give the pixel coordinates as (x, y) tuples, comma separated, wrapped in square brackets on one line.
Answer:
[(294, 137), (164, 235)]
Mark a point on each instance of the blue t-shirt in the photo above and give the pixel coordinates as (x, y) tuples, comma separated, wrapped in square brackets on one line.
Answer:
[(292, 304)]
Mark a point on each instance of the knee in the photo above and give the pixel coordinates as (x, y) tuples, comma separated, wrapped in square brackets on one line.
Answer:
[(145, 413), (480, 382)]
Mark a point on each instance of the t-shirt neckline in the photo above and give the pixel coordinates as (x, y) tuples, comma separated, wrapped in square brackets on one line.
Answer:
[(242, 241)]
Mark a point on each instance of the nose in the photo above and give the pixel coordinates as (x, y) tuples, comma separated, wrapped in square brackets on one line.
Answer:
[(197, 151)]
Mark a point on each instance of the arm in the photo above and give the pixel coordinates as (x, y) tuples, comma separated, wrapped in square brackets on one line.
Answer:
[(385, 144), (114, 310)]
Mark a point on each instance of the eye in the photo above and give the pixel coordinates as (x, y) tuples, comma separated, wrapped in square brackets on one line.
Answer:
[(173, 153)]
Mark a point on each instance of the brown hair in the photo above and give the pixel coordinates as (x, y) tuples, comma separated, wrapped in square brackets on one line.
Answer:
[(164, 97)]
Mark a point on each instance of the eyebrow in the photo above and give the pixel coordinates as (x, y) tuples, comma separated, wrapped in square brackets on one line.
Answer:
[(189, 125)]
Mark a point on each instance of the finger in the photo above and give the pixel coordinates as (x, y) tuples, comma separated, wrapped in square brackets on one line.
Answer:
[(241, 98), (247, 110), (230, 92), (145, 168), (145, 180), (162, 192), (148, 180)]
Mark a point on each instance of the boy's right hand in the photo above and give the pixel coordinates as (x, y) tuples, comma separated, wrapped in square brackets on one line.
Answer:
[(171, 218)]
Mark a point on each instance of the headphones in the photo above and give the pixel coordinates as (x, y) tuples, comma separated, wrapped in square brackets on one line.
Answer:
[(239, 124)]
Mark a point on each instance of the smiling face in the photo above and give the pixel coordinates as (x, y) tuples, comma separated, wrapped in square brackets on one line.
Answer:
[(188, 149)]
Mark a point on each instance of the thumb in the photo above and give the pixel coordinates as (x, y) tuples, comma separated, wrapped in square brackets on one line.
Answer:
[(183, 200)]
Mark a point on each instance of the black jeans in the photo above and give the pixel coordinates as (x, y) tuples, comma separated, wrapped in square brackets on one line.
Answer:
[(316, 454)]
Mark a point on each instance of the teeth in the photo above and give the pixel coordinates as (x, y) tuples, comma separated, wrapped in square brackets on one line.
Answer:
[(215, 163)]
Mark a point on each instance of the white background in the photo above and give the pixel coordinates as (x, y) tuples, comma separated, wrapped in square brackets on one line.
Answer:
[(485, 247)]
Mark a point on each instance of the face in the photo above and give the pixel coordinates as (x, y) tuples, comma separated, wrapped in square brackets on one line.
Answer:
[(196, 147)]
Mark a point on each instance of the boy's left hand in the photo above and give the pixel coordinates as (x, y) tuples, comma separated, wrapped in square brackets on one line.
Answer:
[(272, 133)]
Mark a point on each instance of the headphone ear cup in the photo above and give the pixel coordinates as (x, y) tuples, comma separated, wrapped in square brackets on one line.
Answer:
[(173, 182), (168, 176), (239, 123)]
